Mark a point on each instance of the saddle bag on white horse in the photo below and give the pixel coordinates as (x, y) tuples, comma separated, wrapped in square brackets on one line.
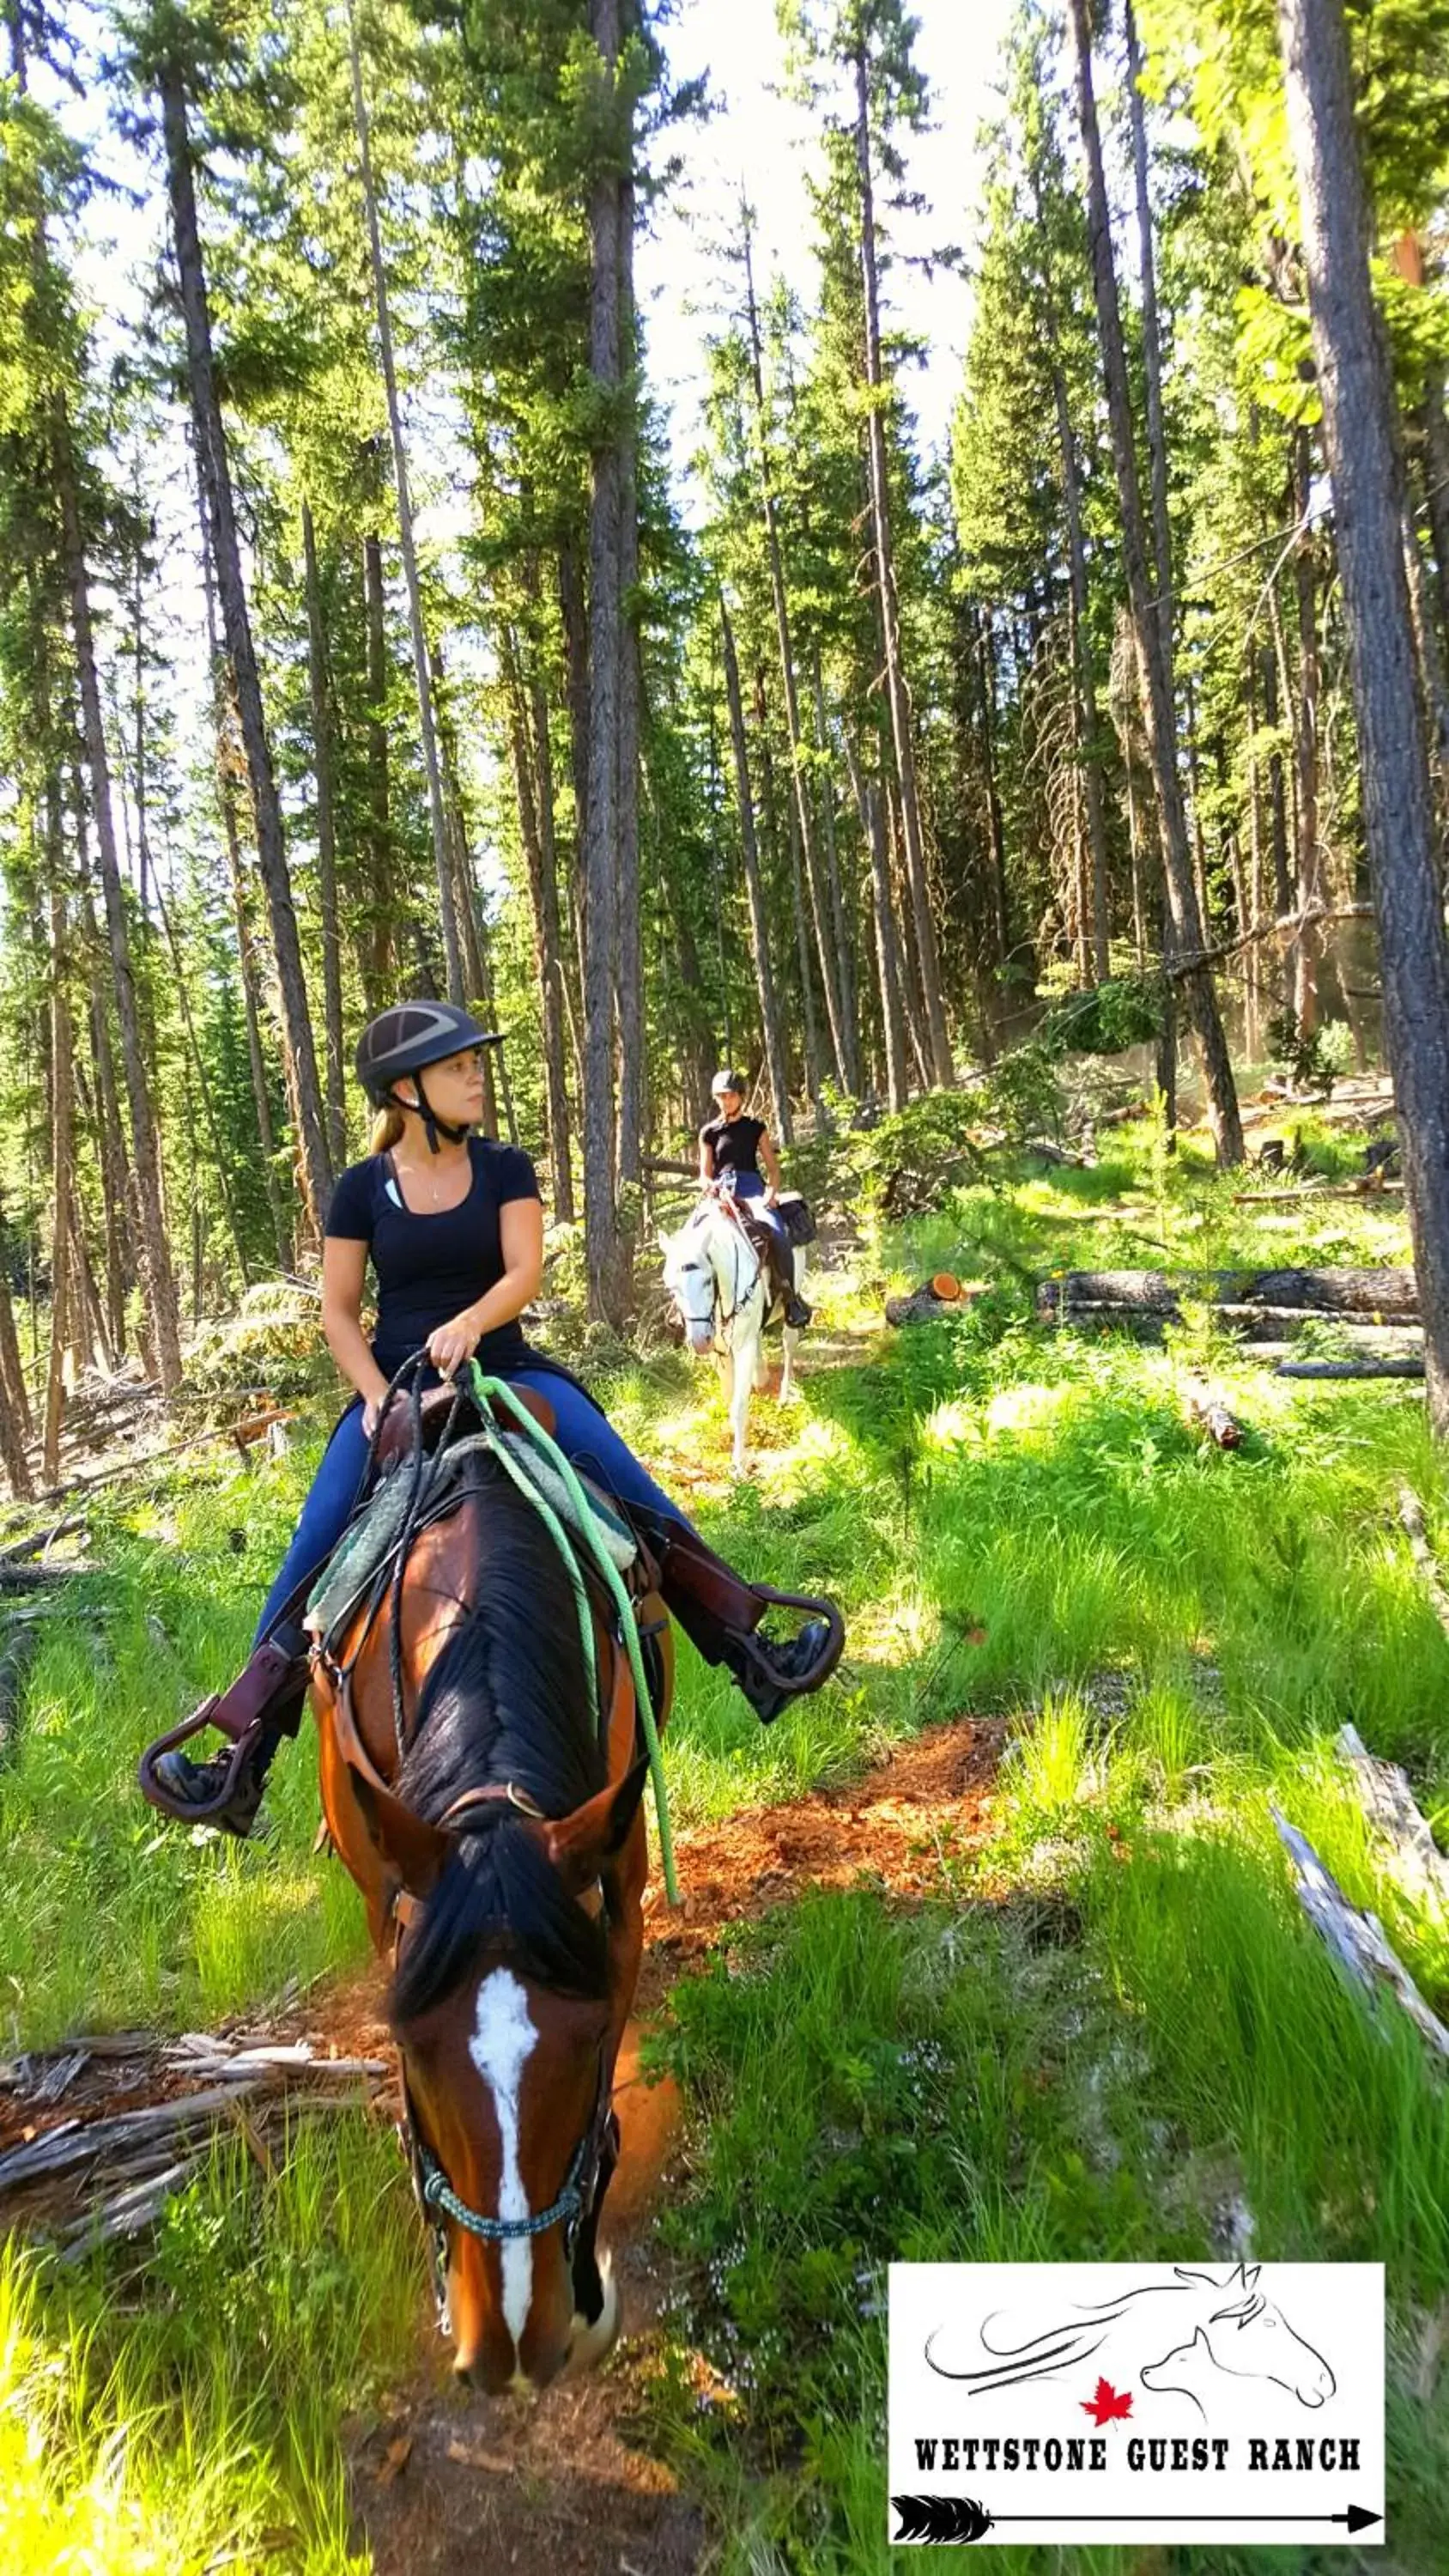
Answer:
[(797, 1218)]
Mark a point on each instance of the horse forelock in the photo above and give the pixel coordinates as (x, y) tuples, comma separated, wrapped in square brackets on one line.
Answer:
[(499, 1895), (506, 1700)]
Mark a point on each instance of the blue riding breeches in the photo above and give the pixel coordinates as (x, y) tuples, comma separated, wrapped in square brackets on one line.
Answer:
[(748, 1185)]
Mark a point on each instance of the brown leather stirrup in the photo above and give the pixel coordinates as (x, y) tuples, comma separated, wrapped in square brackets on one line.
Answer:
[(268, 1694), (721, 1614)]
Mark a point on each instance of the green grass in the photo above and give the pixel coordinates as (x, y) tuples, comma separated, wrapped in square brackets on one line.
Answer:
[(148, 2425), (1137, 2049)]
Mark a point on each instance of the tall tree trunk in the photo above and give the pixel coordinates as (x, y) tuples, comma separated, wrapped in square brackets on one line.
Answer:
[(1095, 923), (1366, 471), (800, 785), (604, 1251), (912, 998), (986, 683), (15, 1423), (1310, 867), (442, 861), (770, 1028), (1277, 791), (204, 1087), (1154, 655), (633, 1037), (872, 817), (314, 1160), (543, 898), (158, 1285), (574, 617), (1431, 659), (928, 961), (251, 999), (110, 1135), (228, 763), (63, 1322), (1434, 430), (1151, 335), (770, 829), (476, 966), (844, 952), (380, 957), (326, 846)]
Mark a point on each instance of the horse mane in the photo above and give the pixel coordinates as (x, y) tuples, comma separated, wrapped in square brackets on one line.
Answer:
[(507, 1699)]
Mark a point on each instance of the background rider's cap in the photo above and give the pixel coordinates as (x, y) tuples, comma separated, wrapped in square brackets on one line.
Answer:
[(727, 1081), (411, 1035)]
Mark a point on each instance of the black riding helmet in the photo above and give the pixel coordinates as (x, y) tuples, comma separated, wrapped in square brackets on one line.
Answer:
[(403, 1040)]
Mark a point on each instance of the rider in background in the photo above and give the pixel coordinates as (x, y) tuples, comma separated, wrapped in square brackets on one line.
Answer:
[(732, 1146), (452, 1225)]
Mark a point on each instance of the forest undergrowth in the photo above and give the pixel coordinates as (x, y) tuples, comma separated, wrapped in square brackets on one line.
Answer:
[(1108, 2033)]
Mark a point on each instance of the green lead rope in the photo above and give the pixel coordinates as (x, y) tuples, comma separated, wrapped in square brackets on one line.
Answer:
[(490, 1390)]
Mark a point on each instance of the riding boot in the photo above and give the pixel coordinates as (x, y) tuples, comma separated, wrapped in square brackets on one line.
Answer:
[(263, 1704), (782, 1272), (721, 1614)]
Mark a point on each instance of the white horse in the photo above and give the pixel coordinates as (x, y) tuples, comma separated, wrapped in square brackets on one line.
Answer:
[(720, 1285)]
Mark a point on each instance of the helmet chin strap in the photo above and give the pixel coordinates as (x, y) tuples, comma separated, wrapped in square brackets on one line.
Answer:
[(433, 1125)]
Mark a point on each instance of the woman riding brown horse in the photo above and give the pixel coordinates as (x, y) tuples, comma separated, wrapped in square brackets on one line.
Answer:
[(453, 1226)]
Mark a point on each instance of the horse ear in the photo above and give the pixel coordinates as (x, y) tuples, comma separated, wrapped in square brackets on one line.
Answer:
[(416, 1850), (578, 1845)]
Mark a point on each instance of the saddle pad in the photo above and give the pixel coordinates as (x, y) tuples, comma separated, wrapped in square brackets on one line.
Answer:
[(370, 1539), (617, 1535), (358, 1554)]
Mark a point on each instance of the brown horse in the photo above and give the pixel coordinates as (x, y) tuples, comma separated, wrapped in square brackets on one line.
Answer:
[(494, 1827)]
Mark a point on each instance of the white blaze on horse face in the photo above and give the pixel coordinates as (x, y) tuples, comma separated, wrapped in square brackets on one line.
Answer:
[(503, 2040)]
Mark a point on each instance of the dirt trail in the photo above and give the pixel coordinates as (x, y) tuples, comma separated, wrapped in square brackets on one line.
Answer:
[(450, 2483)]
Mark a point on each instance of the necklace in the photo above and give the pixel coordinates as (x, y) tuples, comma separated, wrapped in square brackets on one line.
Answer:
[(417, 1176)]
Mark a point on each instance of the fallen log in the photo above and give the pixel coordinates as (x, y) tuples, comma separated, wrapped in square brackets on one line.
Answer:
[(19, 1639), (1206, 1409), (1350, 1368), (41, 1541), (128, 2213), (1357, 1941), (1367, 1186), (1160, 1292), (1389, 1803), (38, 1578), (926, 1305), (1411, 1513), (78, 2142)]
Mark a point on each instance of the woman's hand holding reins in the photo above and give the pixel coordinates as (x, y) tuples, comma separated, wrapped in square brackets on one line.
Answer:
[(449, 1345)]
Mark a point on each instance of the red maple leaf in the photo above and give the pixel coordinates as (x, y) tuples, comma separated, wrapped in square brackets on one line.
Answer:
[(1107, 2405)]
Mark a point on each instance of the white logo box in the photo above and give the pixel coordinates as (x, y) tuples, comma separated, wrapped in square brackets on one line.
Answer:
[(1082, 2402)]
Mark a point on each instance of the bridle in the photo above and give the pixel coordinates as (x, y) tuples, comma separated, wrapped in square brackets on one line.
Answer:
[(436, 2198), (719, 1324)]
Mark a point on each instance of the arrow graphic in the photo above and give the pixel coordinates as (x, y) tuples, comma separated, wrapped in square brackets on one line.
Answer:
[(960, 2518)]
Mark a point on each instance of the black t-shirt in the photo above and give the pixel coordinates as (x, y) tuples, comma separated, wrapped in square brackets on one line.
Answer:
[(736, 1143), (428, 1268)]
